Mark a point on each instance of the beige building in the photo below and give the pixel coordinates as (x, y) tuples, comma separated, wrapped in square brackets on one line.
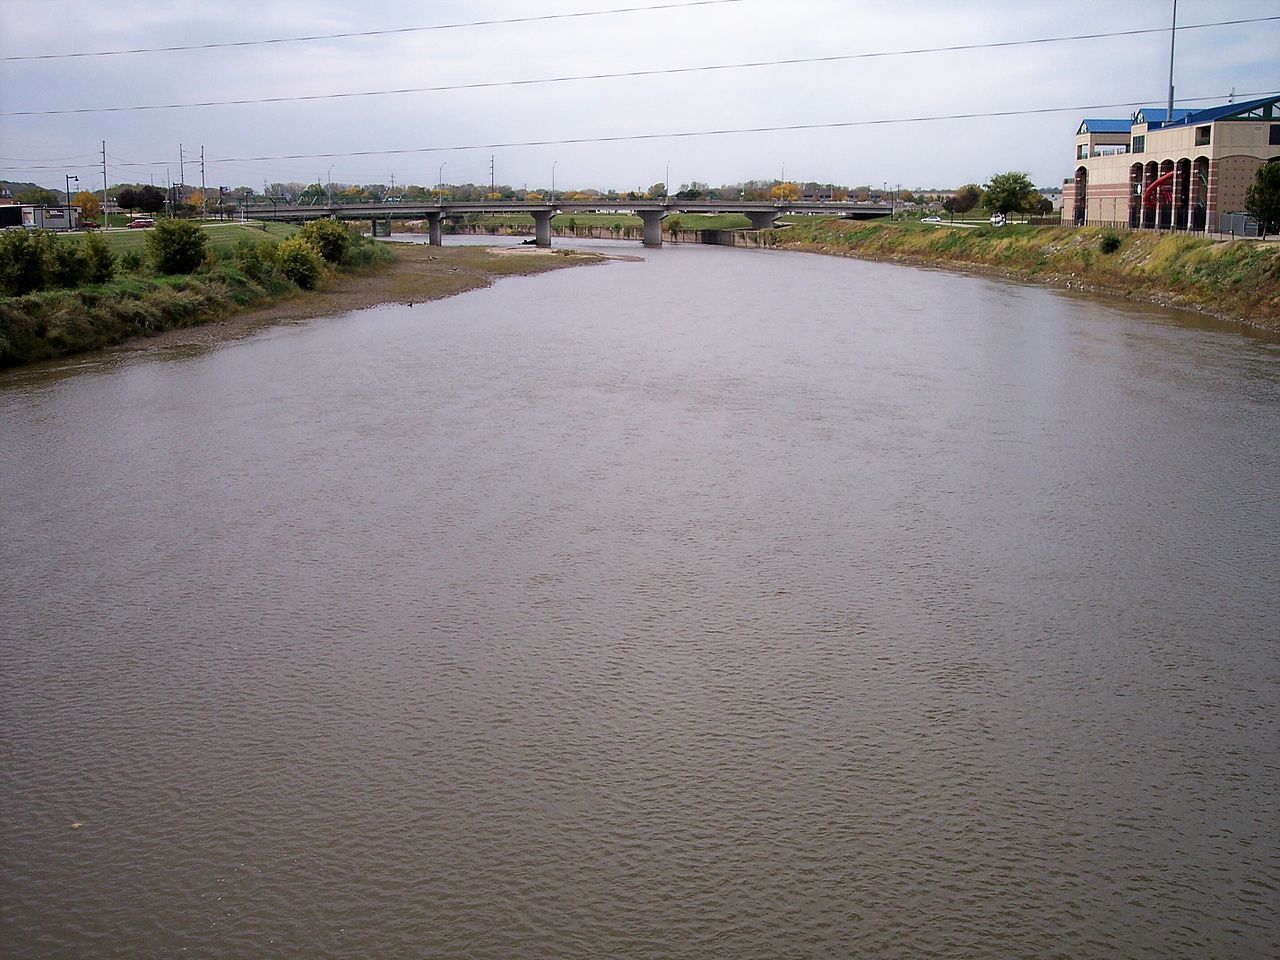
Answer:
[(1171, 173)]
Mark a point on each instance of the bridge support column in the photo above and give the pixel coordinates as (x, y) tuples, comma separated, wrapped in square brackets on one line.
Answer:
[(652, 226), (762, 219), (542, 227), (435, 236)]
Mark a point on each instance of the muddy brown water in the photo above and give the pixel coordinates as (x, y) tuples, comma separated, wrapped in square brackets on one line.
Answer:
[(726, 604)]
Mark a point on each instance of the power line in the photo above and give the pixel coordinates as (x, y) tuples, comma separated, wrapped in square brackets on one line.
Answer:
[(705, 68), (374, 33), (726, 131)]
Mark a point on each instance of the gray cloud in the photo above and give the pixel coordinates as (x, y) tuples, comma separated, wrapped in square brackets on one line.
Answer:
[(1210, 63)]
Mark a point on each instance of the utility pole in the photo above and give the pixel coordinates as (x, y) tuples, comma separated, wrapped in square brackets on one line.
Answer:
[(106, 224), (492, 182), (182, 177), (1173, 33), (203, 199)]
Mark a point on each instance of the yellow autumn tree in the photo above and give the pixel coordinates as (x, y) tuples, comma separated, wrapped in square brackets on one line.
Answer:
[(785, 191), (90, 206)]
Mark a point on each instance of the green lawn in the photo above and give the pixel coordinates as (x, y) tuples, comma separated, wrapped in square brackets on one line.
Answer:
[(222, 236)]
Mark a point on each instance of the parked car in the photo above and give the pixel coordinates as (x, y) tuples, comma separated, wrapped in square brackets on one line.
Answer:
[(141, 222), (90, 225)]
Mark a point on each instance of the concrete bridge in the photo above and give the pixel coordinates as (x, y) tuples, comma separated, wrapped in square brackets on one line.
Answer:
[(761, 214)]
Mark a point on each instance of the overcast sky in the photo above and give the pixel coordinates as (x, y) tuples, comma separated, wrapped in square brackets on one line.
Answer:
[(1209, 64)]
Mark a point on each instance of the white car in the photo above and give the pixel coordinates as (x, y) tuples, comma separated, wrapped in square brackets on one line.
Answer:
[(931, 220)]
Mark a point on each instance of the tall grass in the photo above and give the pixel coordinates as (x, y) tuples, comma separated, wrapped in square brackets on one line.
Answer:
[(1240, 278)]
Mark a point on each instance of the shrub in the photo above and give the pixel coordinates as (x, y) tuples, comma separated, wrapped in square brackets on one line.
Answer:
[(1110, 243), (365, 252), (131, 261), (27, 261), (100, 261), (176, 246), (70, 266), (330, 238), (249, 258), (300, 262)]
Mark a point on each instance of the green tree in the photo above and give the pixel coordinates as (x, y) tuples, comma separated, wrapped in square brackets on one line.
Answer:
[(40, 197), (1011, 192), (177, 246), (966, 198), (148, 199), (657, 191), (1263, 199)]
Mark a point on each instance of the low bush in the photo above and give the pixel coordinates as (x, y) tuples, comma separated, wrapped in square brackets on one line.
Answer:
[(250, 259), (176, 246), (131, 261), (70, 267), (330, 238), (365, 252), (100, 262), (299, 261), (27, 261), (1109, 243)]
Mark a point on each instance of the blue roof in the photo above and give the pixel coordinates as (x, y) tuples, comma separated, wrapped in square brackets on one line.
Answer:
[(1210, 114), (1105, 126), (1160, 115)]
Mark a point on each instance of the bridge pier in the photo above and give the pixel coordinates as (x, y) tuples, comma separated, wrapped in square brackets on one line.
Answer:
[(435, 236), (762, 219), (652, 226), (542, 227)]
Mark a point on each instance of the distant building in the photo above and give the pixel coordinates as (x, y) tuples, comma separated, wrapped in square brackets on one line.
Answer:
[(1179, 172), (39, 218)]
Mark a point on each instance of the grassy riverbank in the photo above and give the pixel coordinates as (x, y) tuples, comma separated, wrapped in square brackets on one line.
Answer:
[(1238, 279), (222, 236), (142, 310)]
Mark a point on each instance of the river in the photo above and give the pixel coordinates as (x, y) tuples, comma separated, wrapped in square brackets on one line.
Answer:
[(725, 604)]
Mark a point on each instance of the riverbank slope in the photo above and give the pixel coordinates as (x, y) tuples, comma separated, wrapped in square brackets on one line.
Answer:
[(148, 312), (1238, 280)]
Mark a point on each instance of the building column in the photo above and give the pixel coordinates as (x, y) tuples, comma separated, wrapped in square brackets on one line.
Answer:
[(1181, 194), (1135, 197), (1211, 199), (1165, 207), (762, 219), (435, 235), (652, 226), (542, 227), (1150, 211)]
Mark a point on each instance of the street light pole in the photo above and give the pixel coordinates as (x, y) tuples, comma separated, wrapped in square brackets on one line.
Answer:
[(440, 177), (329, 180), (69, 178), (666, 184)]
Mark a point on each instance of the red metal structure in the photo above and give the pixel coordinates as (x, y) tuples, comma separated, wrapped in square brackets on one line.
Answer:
[(1160, 186)]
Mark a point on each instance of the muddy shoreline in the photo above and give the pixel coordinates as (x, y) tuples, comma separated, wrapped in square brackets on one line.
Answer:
[(420, 273)]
